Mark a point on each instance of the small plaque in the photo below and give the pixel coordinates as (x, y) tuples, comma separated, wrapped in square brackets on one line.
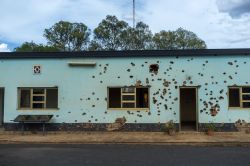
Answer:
[(37, 69)]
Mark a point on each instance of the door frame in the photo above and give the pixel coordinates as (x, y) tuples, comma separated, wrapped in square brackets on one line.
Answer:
[(2, 113), (197, 106)]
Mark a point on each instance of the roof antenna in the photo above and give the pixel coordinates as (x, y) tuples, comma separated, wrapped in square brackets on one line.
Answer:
[(133, 13)]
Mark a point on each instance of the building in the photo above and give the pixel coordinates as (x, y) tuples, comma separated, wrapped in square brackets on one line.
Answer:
[(91, 90)]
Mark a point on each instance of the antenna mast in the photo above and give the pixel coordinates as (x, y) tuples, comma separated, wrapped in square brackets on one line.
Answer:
[(133, 13)]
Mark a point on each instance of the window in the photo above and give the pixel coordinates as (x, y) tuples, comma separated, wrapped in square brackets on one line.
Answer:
[(128, 97), (38, 98), (234, 97), (239, 97)]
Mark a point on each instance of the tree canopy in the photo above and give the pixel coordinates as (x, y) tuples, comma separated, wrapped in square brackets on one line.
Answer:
[(68, 36), (179, 39), (138, 38), (109, 33), (188, 40), (33, 47), (112, 34)]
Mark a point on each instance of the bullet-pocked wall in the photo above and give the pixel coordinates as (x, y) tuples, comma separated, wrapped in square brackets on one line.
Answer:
[(82, 91)]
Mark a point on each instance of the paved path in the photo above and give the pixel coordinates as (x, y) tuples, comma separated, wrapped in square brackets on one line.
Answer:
[(122, 155)]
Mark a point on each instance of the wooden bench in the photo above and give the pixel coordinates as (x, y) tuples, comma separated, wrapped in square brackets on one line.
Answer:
[(42, 119)]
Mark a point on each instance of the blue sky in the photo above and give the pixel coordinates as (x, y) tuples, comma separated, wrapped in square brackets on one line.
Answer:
[(221, 23)]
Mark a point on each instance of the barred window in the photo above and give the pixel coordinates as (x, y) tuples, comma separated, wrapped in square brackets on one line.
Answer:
[(128, 97), (38, 98), (239, 97)]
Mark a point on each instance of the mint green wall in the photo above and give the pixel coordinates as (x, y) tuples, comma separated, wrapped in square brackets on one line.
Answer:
[(76, 85), (1, 105)]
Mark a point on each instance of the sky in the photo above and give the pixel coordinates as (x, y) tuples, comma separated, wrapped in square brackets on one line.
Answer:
[(220, 23)]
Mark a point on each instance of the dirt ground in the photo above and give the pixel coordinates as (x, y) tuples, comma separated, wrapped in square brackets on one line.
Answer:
[(125, 137)]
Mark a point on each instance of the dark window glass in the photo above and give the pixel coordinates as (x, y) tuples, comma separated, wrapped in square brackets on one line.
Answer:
[(246, 104), (246, 97), (25, 98), (38, 91), (128, 105), (128, 97), (38, 98), (52, 98), (114, 97), (38, 105), (234, 97), (245, 89), (142, 97)]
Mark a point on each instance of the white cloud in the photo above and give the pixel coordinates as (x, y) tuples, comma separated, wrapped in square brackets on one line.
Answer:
[(219, 30), (4, 47), (25, 20)]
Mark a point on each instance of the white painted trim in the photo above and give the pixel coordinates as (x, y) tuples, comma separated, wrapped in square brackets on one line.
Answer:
[(82, 63)]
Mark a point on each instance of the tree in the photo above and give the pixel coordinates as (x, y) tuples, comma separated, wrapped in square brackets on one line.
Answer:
[(179, 39), (138, 38), (188, 40), (33, 47), (109, 34), (164, 40), (68, 36), (112, 34), (94, 46)]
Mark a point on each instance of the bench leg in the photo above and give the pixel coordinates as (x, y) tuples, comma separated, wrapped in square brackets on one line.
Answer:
[(43, 128), (22, 128)]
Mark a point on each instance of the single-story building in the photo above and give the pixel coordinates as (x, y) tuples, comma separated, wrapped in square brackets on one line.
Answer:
[(92, 90)]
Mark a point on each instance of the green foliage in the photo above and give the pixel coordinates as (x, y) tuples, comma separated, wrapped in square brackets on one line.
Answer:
[(94, 46), (164, 40), (109, 34), (112, 34), (68, 36), (138, 38), (179, 39), (210, 127), (168, 126), (188, 40), (33, 47)]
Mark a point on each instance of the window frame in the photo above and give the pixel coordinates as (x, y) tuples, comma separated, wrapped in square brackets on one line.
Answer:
[(44, 95), (129, 109), (240, 97)]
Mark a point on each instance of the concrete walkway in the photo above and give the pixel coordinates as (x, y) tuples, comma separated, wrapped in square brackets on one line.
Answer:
[(182, 138)]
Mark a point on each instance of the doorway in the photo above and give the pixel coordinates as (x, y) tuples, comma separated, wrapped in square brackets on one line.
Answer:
[(1, 106), (188, 109)]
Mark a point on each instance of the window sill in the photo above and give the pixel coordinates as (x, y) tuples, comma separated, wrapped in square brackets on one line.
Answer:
[(238, 108), (129, 109), (28, 109)]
